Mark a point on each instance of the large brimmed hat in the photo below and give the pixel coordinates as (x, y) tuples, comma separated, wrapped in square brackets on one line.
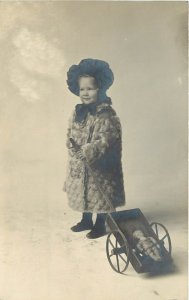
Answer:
[(96, 68)]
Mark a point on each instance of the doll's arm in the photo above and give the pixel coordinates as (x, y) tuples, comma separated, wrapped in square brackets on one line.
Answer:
[(139, 247), (107, 131)]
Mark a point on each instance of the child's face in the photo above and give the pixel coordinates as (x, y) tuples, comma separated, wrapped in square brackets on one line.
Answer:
[(88, 91)]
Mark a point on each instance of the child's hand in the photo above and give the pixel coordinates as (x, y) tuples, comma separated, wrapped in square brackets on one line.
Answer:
[(79, 154)]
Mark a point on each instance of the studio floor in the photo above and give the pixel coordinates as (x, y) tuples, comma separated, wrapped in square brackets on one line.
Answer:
[(41, 259)]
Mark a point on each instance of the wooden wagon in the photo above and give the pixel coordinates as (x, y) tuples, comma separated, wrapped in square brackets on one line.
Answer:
[(122, 245)]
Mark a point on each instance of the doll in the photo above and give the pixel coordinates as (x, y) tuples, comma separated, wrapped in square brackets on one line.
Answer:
[(95, 129), (147, 245)]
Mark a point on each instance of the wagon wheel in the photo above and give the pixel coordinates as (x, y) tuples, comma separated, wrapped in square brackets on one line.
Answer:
[(162, 235), (117, 251)]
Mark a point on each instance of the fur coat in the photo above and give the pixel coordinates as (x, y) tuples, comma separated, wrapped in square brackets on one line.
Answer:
[(98, 188)]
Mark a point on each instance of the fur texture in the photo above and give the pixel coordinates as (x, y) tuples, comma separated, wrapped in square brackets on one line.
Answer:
[(100, 139)]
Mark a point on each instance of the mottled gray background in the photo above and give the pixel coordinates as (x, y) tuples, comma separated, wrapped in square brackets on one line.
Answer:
[(145, 44)]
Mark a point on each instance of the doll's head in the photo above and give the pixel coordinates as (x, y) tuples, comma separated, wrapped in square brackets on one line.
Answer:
[(93, 75), (138, 234)]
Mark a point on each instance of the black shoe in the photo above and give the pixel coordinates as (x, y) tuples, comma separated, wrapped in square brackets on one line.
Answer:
[(81, 226), (96, 232)]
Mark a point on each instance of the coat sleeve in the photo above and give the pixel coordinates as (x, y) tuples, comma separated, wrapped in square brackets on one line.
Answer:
[(68, 145), (107, 131)]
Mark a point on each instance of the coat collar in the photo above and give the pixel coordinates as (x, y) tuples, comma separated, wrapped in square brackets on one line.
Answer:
[(81, 110)]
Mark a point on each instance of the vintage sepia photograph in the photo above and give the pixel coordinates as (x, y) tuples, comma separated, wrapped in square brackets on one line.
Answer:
[(94, 150)]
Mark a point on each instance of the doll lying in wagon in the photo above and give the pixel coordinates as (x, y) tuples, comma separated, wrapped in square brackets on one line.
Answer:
[(147, 246)]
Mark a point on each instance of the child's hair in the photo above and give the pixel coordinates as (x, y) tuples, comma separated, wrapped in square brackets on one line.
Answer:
[(89, 76)]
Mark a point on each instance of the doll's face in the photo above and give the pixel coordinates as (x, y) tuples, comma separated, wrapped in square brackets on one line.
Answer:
[(88, 90)]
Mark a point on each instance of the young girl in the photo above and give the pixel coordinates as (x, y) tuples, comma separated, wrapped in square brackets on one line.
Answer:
[(94, 182)]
